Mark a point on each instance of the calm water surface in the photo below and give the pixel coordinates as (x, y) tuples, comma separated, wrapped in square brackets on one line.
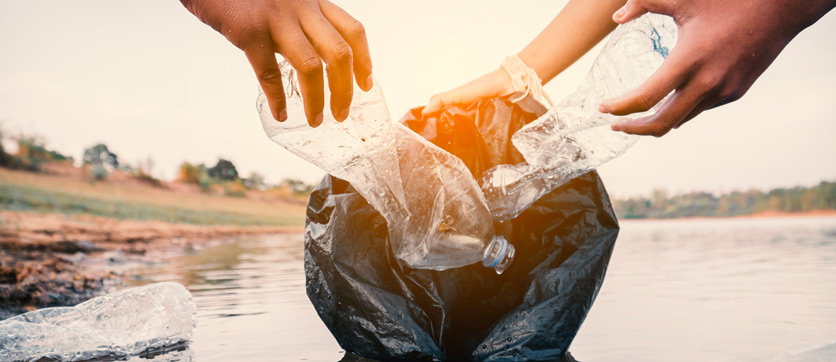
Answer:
[(678, 290)]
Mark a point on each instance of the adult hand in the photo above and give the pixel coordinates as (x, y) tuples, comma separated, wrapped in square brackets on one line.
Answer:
[(306, 33), (723, 47), (493, 84)]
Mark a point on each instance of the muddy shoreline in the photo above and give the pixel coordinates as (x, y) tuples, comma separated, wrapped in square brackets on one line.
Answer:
[(49, 260)]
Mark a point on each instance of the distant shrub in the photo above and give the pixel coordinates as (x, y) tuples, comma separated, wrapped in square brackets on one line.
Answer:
[(190, 174), (56, 156), (255, 181), (5, 158), (235, 188), (31, 154), (100, 155), (223, 170), (140, 175), (205, 182), (142, 172), (298, 187)]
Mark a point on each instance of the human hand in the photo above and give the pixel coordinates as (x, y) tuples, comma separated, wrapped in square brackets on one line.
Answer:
[(493, 84), (306, 33), (722, 48)]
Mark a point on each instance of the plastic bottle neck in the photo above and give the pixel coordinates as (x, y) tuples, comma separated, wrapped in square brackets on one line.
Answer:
[(498, 254)]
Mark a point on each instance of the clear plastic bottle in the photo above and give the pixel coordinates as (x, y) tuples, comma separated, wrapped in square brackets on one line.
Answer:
[(436, 213), (116, 325), (573, 137)]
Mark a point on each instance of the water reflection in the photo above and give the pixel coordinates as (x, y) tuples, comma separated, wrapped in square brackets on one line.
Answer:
[(715, 290), (251, 302), (718, 290)]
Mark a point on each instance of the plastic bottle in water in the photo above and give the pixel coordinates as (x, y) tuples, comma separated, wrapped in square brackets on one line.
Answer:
[(573, 137), (435, 212), (116, 325)]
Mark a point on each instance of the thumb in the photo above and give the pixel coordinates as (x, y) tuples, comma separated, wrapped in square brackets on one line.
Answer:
[(436, 103), (442, 100), (671, 74), (631, 10)]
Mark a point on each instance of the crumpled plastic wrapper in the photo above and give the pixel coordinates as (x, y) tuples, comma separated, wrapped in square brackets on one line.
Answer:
[(113, 326)]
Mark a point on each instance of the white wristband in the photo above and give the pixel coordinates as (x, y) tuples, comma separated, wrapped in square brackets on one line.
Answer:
[(524, 81)]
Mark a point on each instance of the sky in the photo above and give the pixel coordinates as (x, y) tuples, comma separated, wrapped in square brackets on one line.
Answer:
[(150, 80)]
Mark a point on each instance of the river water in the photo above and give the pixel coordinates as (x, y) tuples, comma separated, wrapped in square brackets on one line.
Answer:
[(743, 289)]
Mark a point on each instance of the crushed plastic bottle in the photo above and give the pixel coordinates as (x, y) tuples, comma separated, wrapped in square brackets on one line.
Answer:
[(120, 324), (573, 137), (435, 211)]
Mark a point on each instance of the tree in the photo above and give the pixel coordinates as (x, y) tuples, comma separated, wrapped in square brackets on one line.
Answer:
[(190, 174), (298, 187), (660, 198), (223, 170), (5, 158), (255, 181), (99, 155), (31, 154)]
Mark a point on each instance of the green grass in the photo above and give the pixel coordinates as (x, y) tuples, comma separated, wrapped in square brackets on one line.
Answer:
[(21, 198), (73, 195)]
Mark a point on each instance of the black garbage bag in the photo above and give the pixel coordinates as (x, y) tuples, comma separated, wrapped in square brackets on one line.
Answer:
[(380, 309)]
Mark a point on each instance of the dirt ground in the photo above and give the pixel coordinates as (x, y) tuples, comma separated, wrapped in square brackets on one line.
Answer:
[(40, 254)]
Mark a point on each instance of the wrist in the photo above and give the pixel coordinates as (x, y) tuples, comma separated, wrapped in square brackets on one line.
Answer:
[(523, 81), (813, 11), (504, 84)]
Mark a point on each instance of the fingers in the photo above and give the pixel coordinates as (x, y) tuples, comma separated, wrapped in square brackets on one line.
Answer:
[(489, 85), (695, 112), (294, 46), (636, 8), (670, 75), (631, 10), (443, 100), (718, 98), (355, 34), (306, 33), (336, 53), (262, 58), (673, 113)]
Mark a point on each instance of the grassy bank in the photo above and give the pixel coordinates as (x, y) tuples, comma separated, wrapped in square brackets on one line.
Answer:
[(45, 193)]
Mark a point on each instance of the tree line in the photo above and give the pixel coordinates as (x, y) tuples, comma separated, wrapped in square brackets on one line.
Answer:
[(703, 204), (98, 162)]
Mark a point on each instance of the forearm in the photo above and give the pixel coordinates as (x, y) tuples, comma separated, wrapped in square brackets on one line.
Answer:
[(575, 30)]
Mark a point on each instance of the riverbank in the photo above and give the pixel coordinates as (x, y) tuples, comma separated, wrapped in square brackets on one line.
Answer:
[(55, 260), (768, 214), (64, 189), (65, 238), (760, 215)]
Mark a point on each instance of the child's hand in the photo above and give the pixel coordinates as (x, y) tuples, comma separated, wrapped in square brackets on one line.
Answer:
[(493, 84)]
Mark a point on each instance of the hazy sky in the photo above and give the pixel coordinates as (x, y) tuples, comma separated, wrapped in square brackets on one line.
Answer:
[(149, 79)]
